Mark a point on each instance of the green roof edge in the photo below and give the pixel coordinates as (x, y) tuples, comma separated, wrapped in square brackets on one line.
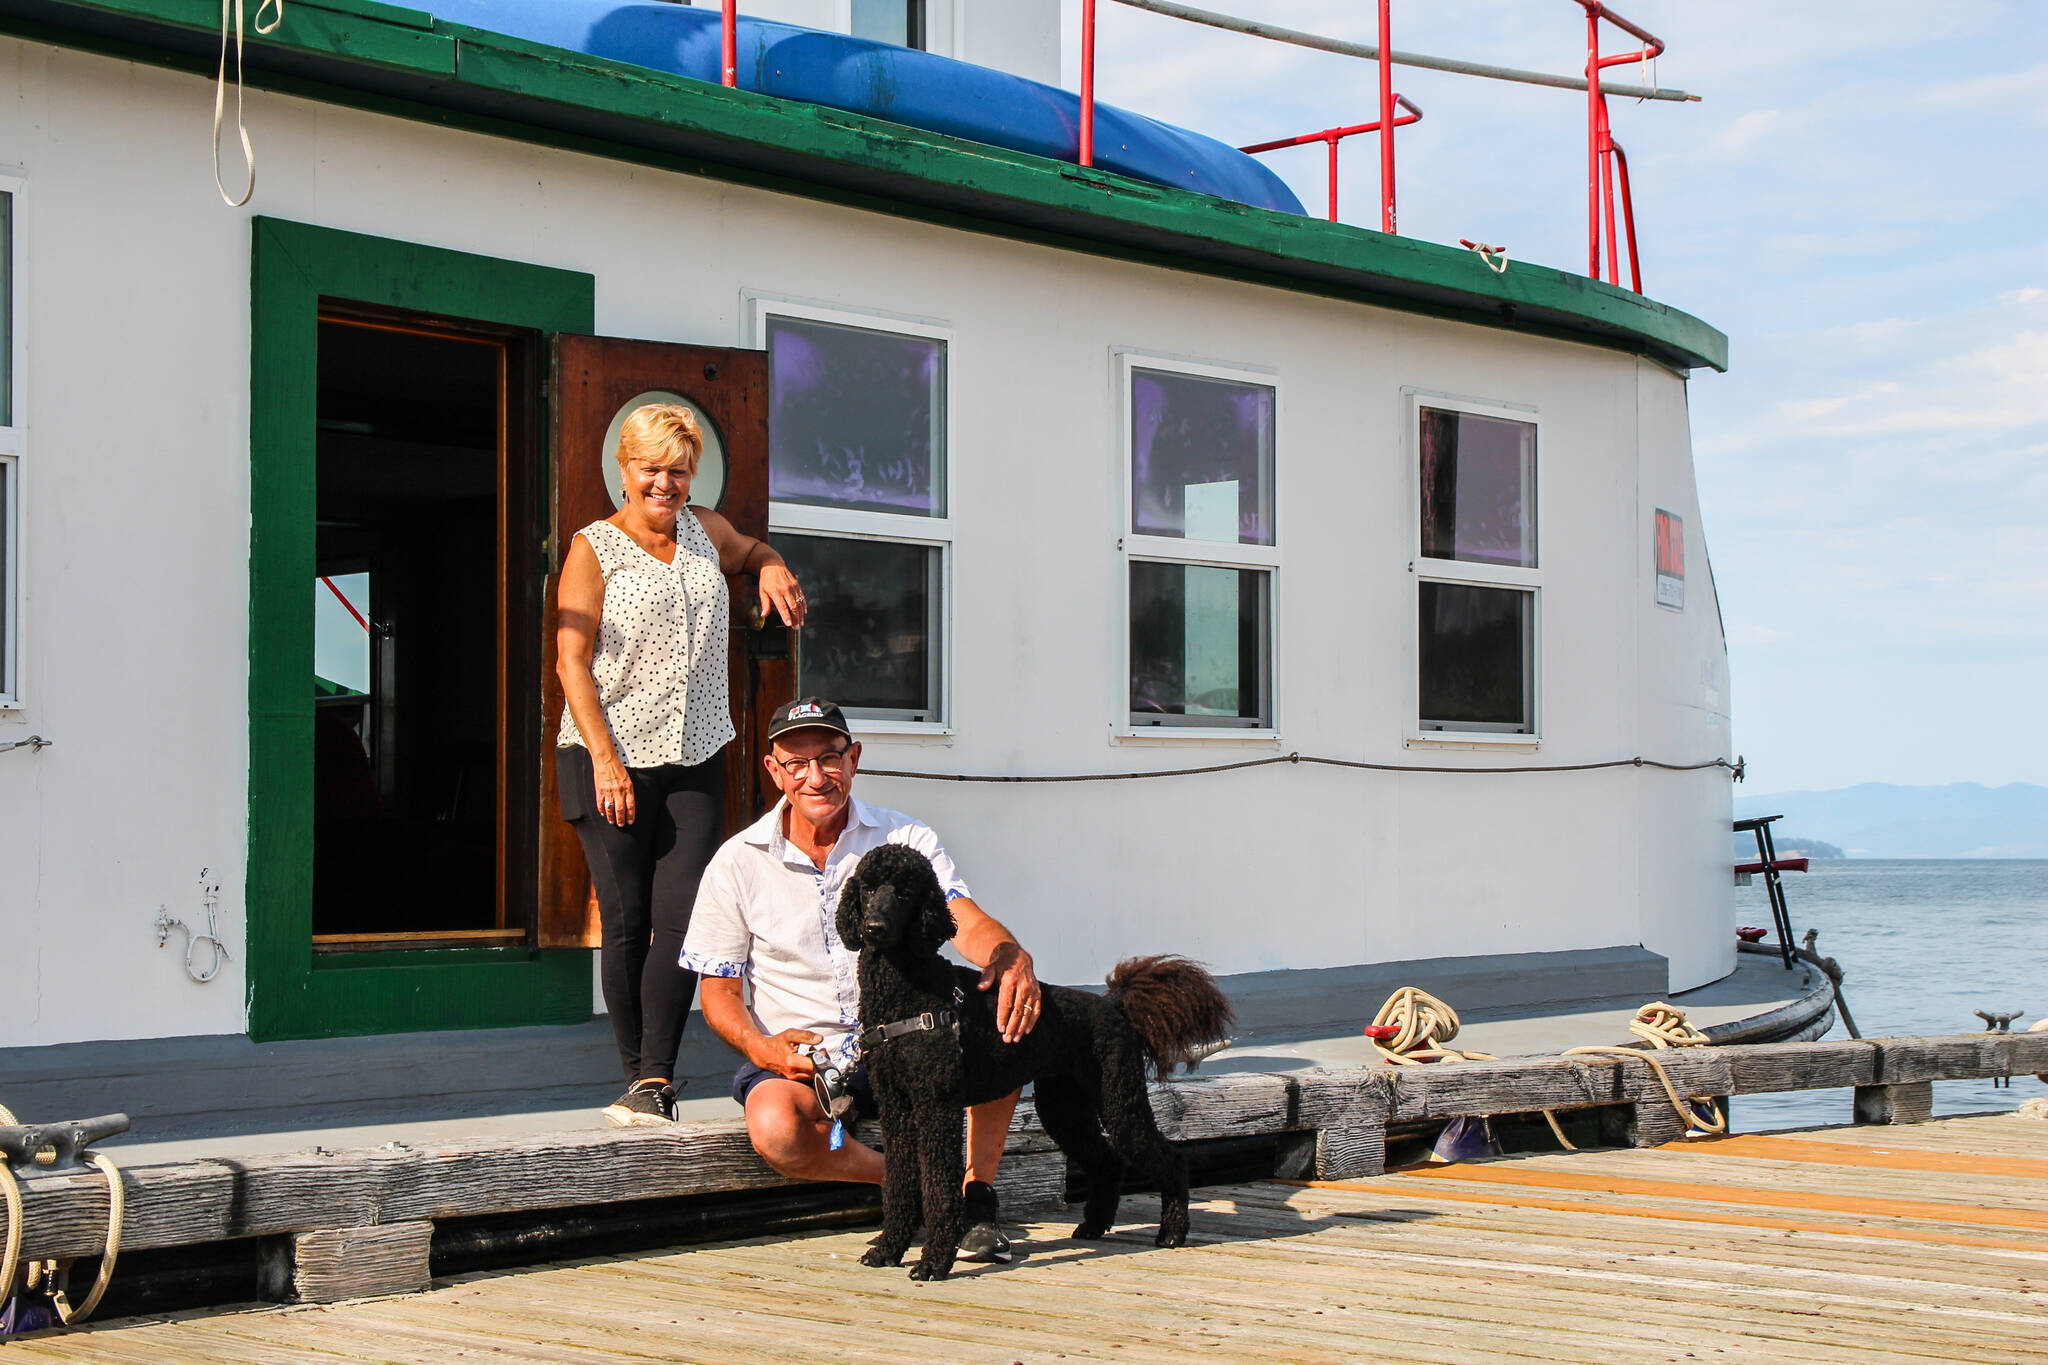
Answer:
[(385, 57)]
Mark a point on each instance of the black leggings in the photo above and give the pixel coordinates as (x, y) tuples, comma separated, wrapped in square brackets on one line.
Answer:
[(646, 875)]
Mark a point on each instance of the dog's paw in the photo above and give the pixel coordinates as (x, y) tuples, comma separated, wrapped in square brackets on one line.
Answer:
[(1171, 1237), (1092, 1232), (921, 1271), (879, 1258)]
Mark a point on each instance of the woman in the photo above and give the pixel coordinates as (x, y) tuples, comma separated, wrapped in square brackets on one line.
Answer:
[(641, 651)]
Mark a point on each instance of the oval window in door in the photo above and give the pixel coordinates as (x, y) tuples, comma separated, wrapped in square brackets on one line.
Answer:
[(707, 489)]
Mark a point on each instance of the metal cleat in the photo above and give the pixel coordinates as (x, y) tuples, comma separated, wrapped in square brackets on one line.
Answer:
[(1996, 1021), (34, 1149)]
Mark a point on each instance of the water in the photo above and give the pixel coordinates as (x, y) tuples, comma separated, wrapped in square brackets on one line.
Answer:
[(1922, 943)]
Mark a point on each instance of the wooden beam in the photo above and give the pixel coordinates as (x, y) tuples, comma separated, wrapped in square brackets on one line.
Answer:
[(333, 1264), (1910, 1102), (1327, 1121)]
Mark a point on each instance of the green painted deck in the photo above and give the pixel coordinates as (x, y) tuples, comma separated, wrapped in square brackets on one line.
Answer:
[(1927, 1242)]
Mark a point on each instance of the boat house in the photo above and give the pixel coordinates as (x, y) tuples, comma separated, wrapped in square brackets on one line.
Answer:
[(1092, 472)]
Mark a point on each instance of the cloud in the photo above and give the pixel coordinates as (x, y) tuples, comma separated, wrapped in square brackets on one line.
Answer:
[(2026, 89), (1741, 138)]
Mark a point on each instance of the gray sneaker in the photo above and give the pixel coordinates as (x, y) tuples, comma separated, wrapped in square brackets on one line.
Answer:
[(983, 1241), (646, 1103)]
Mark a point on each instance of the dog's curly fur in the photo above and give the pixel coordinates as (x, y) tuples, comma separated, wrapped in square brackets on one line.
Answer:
[(1087, 1054)]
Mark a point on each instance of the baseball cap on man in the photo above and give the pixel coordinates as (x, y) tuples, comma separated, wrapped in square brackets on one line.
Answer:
[(807, 713)]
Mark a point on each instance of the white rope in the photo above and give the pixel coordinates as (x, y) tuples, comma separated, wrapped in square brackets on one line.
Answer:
[(233, 8), (117, 1213), (1662, 1026), (10, 1257), (1422, 1024), (54, 1273), (1496, 257)]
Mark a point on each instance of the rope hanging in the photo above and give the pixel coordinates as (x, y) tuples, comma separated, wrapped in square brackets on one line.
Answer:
[(1414, 1027), (1662, 1026), (55, 1274), (231, 25)]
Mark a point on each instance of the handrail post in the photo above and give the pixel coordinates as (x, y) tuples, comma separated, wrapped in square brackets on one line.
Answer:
[(1607, 194), (728, 45), (1333, 139), (1593, 141), (1628, 216), (1386, 64), (1087, 82)]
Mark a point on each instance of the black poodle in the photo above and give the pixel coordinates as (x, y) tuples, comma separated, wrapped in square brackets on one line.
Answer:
[(931, 1046)]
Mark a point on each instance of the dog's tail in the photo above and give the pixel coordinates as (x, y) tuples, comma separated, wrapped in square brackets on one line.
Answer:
[(1174, 1004)]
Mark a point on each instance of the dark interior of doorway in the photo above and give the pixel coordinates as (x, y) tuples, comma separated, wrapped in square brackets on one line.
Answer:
[(424, 637)]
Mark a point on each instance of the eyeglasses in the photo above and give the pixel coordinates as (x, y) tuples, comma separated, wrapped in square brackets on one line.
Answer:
[(833, 762)]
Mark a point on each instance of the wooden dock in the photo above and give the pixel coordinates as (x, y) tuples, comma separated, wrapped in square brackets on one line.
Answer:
[(1927, 1242)]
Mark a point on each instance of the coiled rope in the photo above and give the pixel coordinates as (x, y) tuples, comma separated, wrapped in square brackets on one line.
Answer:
[(55, 1274), (1422, 1025), (1662, 1026), (1299, 758)]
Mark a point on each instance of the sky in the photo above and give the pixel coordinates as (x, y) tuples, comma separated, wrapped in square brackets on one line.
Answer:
[(1860, 202)]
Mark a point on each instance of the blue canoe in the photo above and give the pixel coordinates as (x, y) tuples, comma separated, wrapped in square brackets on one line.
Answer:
[(889, 82)]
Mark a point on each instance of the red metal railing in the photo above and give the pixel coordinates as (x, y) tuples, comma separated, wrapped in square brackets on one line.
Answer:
[(1333, 136), (1603, 153), (1605, 160), (728, 44), (342, 597), (1384, 124)]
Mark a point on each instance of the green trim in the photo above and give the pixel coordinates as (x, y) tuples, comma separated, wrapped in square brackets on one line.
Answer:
[(292, 994), (369, 55)]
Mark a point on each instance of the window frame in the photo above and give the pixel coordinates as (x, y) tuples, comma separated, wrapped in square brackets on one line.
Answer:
[(1465, 573), (14, 452), (929, 16), (1133, 547), (841, 523)]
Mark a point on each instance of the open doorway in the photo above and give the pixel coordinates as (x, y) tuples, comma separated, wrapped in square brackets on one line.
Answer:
[(425, 621)]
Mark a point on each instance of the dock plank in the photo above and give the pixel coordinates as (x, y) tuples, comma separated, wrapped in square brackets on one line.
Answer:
[(1909, 1245)]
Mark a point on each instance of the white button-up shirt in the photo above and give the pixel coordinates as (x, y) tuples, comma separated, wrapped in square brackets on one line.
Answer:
[(765, 913)]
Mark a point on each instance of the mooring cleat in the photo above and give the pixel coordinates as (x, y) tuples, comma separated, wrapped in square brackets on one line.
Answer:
[(50, 1148)]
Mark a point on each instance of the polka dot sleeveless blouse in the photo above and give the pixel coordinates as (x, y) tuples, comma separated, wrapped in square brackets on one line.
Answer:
[(660, 661)]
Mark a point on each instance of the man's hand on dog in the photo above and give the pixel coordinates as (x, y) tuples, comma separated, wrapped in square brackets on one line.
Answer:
[(779, 1054), (1017, 1000)]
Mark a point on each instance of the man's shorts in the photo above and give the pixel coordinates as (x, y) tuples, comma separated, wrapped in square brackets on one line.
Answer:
[(748, 1076)]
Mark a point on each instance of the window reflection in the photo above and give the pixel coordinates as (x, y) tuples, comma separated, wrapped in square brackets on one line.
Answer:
[(871, 641), (856, 418), (1478, 485), (1201, 458), (890, 21), (1198, 645), (1475, 662)]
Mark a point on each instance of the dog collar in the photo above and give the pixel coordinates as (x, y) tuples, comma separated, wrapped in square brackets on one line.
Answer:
[(873, 1038)]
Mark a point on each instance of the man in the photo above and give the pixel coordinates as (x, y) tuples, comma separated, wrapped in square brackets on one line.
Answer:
[(764, 915)]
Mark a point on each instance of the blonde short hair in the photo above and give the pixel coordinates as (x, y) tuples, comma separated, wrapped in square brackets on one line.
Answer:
[(662, 434)]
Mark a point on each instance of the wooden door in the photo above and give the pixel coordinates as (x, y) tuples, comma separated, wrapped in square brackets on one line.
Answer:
[(593, 380)]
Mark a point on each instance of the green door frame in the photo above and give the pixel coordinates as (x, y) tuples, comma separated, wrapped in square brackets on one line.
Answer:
[(293, 993)]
